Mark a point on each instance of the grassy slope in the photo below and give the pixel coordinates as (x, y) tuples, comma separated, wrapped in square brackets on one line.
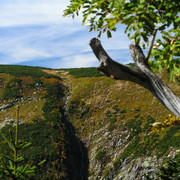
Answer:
[(98, 106), (41, 116), (102, 93), (102, 105), (32, 85), (17, 70)]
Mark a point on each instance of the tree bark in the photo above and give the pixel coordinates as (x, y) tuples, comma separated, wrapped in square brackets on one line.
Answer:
[(140, 74)]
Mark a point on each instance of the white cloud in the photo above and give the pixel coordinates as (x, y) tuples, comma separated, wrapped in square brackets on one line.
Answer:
[(24, 12), (29, 54), (32, 42), (77, 61), (33, 30)]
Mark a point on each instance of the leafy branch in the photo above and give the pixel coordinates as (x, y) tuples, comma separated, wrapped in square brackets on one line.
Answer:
[(142, 20)]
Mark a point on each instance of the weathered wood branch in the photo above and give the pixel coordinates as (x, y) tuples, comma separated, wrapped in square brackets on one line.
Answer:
[(140, 74)]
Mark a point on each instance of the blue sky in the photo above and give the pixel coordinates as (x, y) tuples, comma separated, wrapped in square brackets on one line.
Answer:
[(33, 32)]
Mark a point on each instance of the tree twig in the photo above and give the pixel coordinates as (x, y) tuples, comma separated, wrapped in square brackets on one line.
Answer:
[(151, 47)]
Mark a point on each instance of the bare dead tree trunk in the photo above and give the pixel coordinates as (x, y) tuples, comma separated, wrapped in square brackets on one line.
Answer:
[(140, 74)]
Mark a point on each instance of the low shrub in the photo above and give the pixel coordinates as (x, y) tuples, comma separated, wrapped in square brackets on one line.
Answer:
[(84, 72), (100, 155), (12, 90)]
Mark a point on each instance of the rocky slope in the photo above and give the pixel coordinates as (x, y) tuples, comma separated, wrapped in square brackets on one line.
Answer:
[(114, 119), (89, 126), (43, 122)]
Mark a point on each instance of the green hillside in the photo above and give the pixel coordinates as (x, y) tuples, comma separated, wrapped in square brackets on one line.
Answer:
[(17, 70), (87, 125), (42, 122), (84, 72), (114, 119)]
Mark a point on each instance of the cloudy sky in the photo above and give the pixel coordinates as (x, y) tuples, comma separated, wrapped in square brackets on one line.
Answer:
[(34, 32)]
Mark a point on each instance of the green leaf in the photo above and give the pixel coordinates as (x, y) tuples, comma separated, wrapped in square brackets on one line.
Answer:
[(134, 36), (141, 7), (171, 75), (111, 4), (177, 20), (128, 20), (144, 37), (136, 27), (151, 7), (142, 1), (165, 33), (95, 28), (137, 40), (100, 21), (159, 68), (94, 12), (162, 27), (90, 29), (128, 28), (130, 6), (86, 6), (99, 35), (169, 14), (144, 46), (176, 46), (109, 34), (149, 25)]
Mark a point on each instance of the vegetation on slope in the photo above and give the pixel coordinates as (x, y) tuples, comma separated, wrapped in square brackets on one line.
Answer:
[(47, 132), (101, 105), (17, 70), (113, 118), (42, 123), (84, 72), (48, 141), (27, 91)]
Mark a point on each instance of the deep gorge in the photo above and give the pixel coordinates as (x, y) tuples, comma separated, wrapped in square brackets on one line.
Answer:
[(87, 126)]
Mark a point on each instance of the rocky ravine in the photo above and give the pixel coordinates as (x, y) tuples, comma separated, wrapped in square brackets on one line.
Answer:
[(109, 126)]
